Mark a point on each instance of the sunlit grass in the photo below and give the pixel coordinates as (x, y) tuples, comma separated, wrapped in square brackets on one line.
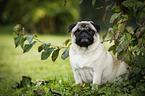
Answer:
[(14, 64)]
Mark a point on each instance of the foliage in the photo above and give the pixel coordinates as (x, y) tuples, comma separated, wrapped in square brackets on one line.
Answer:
[(128, 35), (27, 41), (65, 87)]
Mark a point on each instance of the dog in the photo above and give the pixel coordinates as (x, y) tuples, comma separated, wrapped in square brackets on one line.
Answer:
[(90, 61)]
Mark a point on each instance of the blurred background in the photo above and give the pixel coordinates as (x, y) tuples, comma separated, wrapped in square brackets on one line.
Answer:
[(50, 16)]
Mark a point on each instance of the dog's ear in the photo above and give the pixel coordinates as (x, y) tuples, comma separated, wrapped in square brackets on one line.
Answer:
[(96, 26), (70, 27)]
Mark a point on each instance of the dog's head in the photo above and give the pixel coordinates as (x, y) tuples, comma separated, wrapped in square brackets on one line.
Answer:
[(83, 32)]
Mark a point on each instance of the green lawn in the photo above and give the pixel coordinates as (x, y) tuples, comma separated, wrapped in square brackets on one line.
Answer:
[(14, 64)]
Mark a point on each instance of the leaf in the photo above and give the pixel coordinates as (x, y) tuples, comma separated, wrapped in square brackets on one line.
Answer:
[(109, 6), (22, 42), (29, 38), (140, 42), (138, 34), (65, 54), (27, 47), (125, 45), (121, 27), (66, 42), (55, 54), (104, 17), (17, 40), (122, 38), (119, 47), (99, 8), (46, 53), (128, 36), (114, 16), (117, 9), (17, 27), (105, 36), (128, 3), (136, 70), (112, 48), (46, 46), (25, 82), (40, 48), (121, 21), (116, 35), (130, 29), (93, 3)]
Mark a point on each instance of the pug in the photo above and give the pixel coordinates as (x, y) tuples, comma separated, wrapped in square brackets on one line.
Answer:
[(90, 61)]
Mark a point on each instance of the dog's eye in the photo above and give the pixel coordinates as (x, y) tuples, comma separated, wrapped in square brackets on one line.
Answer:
[(76, 32), (90, 30)]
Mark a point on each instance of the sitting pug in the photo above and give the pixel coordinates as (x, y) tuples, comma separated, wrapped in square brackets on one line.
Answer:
[(90, 61)]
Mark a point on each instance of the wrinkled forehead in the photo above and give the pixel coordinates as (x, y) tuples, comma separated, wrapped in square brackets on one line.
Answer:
[(83, 25)]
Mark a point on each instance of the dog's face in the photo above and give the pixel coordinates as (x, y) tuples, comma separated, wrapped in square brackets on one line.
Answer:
[(83, 32)]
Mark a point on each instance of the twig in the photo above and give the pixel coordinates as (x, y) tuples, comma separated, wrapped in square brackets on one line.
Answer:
[(103, 2), (51, 45)]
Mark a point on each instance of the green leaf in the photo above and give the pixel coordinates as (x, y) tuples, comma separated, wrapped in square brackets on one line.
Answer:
[(66, 42), (55, 54), (105, 36), (99, 8), (121, 27), (112, 48), (130, 29), (117, 9), (27, 47), (46, 46), (114, 16), (46, 53), (128, 3), (109, 6), (25, 82), (128, 36), (40, 48), (65, 54), (93, 3), (119, 47), (17, 40), (122, 38), (29, 38), (136, 70), (22, 42), (116, 35), (17, 27), (125, 45)]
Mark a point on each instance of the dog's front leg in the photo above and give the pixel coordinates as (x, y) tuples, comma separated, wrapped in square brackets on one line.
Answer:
[(97, 77), (77, 76)]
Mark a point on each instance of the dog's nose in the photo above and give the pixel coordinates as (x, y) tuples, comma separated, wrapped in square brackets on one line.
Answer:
[(84, 39)]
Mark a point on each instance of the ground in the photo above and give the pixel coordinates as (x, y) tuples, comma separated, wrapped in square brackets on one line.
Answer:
[(14, 64)]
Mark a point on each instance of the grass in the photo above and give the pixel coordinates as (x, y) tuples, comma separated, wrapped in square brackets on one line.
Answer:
[(14, 64)]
